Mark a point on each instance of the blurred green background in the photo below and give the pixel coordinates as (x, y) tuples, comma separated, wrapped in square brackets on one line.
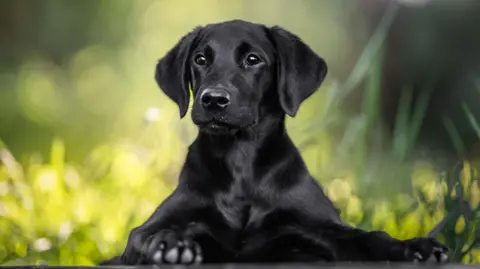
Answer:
[(89, 145)]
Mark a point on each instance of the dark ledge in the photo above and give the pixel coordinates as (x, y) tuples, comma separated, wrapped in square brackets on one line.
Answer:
[(262, 266)]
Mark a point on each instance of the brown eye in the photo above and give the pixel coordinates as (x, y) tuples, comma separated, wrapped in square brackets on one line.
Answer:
[(252, 59), (200, 59)]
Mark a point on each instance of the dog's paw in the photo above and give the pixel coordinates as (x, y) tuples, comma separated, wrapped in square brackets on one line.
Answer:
[(167, 247), (423, 249)]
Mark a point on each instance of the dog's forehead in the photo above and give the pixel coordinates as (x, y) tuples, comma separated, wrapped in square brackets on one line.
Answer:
[(228, 35)]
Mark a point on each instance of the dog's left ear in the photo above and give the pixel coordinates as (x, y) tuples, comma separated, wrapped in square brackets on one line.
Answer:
[(172, 72), (300, 70)]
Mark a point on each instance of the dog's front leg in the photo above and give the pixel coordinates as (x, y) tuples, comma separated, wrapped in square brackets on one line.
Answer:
[(354, 244), (165, 237)]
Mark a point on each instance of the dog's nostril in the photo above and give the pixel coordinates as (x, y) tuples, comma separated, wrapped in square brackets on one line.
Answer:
[(215, 98), (206, 99), (223, 101)]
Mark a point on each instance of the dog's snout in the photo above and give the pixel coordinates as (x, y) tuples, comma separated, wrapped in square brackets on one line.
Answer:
[(215, 99)]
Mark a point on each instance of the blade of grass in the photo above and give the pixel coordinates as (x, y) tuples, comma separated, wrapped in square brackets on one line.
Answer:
[(372, 48), (400, 137), (371, 102), (354, 130), (362, 66), (418, 115), (455, 136), (331, 95), (471, 118)]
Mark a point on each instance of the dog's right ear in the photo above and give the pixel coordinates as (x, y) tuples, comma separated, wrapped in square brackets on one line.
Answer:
[(300, 69), (172, 71)]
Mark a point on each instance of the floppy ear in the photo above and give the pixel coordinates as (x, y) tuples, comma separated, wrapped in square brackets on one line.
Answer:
[(172, 72), (300, 69)]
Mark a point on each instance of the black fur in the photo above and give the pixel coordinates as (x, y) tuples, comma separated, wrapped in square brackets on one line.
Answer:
[(244, 193)]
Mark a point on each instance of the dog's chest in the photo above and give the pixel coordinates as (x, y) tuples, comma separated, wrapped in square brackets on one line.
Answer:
[(240, 164), (243, 213), (235, 205), (242, 205)]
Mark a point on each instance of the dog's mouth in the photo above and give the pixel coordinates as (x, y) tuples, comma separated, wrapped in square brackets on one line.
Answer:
[(218, 127)]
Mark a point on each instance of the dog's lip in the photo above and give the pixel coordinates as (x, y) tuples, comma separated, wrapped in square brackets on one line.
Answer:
[(218, 128), (216, 125)]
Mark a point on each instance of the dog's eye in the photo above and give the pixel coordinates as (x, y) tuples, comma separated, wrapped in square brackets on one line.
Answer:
[(252, 59), (200, 59)]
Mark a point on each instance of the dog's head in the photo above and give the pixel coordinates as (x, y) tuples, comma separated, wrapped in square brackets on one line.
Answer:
[(239, 72)]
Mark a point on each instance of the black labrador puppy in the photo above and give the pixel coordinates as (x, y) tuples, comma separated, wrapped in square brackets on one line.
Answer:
[(245, 194)]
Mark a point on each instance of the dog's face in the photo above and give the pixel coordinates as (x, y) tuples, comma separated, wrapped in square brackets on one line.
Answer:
[(232, 67), (237, 71)]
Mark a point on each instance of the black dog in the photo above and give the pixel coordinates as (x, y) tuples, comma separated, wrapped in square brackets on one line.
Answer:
[(244, 193)]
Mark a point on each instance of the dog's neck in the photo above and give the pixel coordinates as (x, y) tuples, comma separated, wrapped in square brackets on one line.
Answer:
[(244, 156)]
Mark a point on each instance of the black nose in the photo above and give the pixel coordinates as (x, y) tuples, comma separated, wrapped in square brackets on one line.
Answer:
[(215, 99)]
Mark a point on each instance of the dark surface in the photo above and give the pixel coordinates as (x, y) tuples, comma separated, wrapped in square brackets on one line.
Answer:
[(285, 266)]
